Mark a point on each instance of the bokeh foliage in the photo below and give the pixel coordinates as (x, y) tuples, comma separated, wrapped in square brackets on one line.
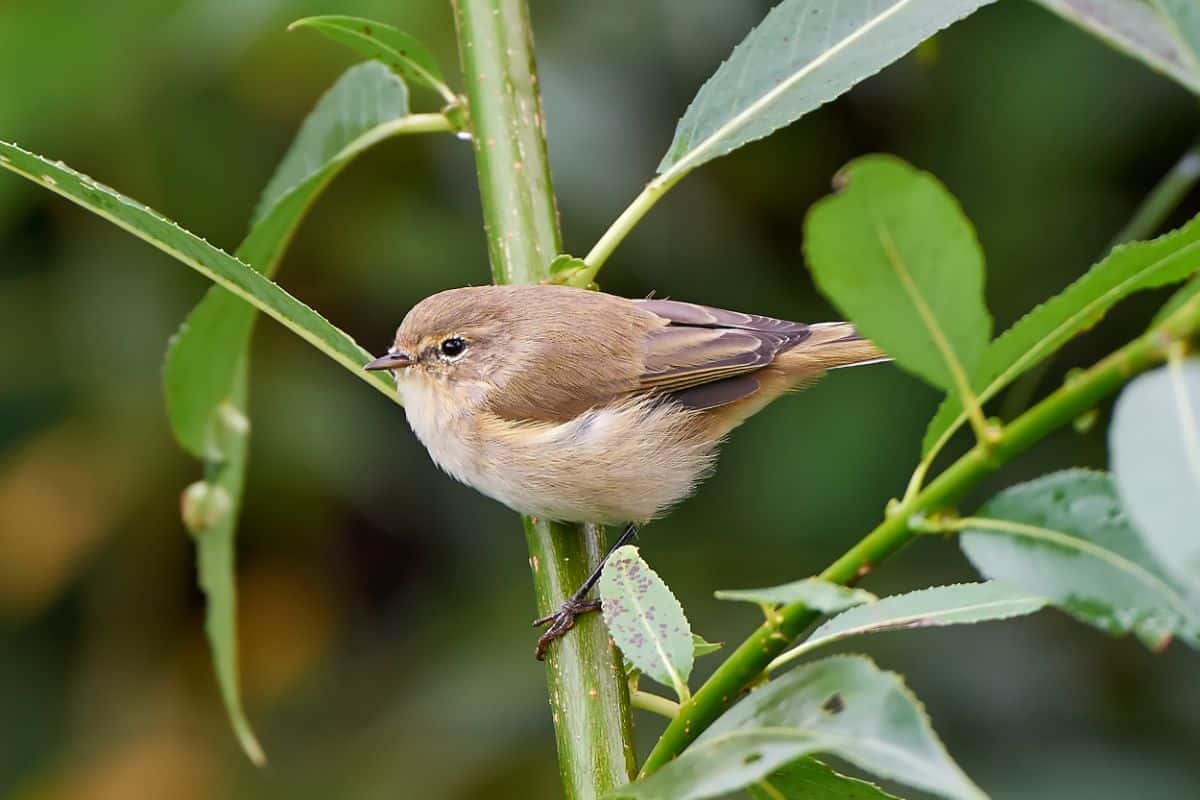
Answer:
[(359, 557)]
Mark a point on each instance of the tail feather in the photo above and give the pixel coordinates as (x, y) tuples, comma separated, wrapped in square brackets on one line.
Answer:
[(835, 345)]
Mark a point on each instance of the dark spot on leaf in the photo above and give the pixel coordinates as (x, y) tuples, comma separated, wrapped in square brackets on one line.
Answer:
[(835, 704), (750, 758), (367, 30)]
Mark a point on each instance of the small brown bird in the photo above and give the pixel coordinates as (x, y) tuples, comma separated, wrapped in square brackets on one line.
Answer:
[(579, 406)]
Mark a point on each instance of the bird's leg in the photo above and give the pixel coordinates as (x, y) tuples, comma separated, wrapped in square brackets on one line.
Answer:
[(576, 605)]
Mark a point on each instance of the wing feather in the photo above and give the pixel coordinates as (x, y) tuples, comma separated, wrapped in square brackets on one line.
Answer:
[(698, 346)]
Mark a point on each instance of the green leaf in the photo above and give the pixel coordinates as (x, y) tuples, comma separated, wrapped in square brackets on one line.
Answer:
[(400, 51), (211, 262), (895, 253), (215, 557), (801, 56), (1130, 268), (1066, 538), (937, 606), (645, 620), (815, 593), (843, 706), (809, 779), (1155, 446), (1138, 29), (702, 647), (570, 271), (366, 105), (204, 374)]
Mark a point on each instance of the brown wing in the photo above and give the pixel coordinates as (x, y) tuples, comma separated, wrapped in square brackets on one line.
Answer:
[(706, 357)]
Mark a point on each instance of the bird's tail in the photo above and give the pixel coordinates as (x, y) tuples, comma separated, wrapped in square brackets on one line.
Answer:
[(834, 345)]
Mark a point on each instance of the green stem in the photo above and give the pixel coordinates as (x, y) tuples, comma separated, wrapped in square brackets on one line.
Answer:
[(655, 704), (746, 664), (623, 224), (589, 696)]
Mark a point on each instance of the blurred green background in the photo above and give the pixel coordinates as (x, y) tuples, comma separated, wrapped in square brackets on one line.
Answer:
[(385, 609)]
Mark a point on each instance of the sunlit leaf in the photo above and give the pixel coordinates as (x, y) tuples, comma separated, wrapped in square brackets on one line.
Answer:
[(1065, 537), (843, 706), (894, 252), (400, 51), (359, 110), (801, 56), (1155, 445), (211, 262), (809, 779), (937, 606), (1139, 28), (1130, 268), (645, 619), (815, 593)]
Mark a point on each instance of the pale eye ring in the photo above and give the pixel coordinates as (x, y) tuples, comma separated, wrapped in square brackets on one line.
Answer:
[(452, 347)]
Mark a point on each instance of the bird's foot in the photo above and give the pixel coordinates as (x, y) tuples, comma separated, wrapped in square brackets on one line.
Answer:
[(561, 621)]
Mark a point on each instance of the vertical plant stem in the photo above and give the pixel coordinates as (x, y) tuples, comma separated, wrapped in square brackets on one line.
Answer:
[(589, 697)]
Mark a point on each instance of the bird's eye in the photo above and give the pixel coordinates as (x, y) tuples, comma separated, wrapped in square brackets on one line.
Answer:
[(453, 347)]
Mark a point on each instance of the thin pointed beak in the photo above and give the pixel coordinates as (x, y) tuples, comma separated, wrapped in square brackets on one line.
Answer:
[(389, 361)]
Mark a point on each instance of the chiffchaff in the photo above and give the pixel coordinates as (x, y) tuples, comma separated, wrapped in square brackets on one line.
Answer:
[(580, 406)]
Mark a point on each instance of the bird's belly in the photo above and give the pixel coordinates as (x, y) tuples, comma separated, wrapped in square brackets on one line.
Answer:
[(628, 463)]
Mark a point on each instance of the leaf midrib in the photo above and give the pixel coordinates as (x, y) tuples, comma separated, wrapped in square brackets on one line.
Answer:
[(685, 164)]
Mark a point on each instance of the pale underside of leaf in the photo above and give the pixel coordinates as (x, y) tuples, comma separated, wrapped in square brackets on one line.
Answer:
[(937, 606), (645, 620), (801, 56), (844, 706), (1065, 537), (1137, 29), (1155, 447), (817, 594)]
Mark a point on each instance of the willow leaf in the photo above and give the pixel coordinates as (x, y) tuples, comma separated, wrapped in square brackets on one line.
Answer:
[(801, 56), (1130, 268), (815, 593), (366, 105), (935, 607), (1155, 446), (810, 779), (894, 252), (1136, 28), (210, 261), (843, 706), (400, 51), (1066, 538), (645, 620)]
